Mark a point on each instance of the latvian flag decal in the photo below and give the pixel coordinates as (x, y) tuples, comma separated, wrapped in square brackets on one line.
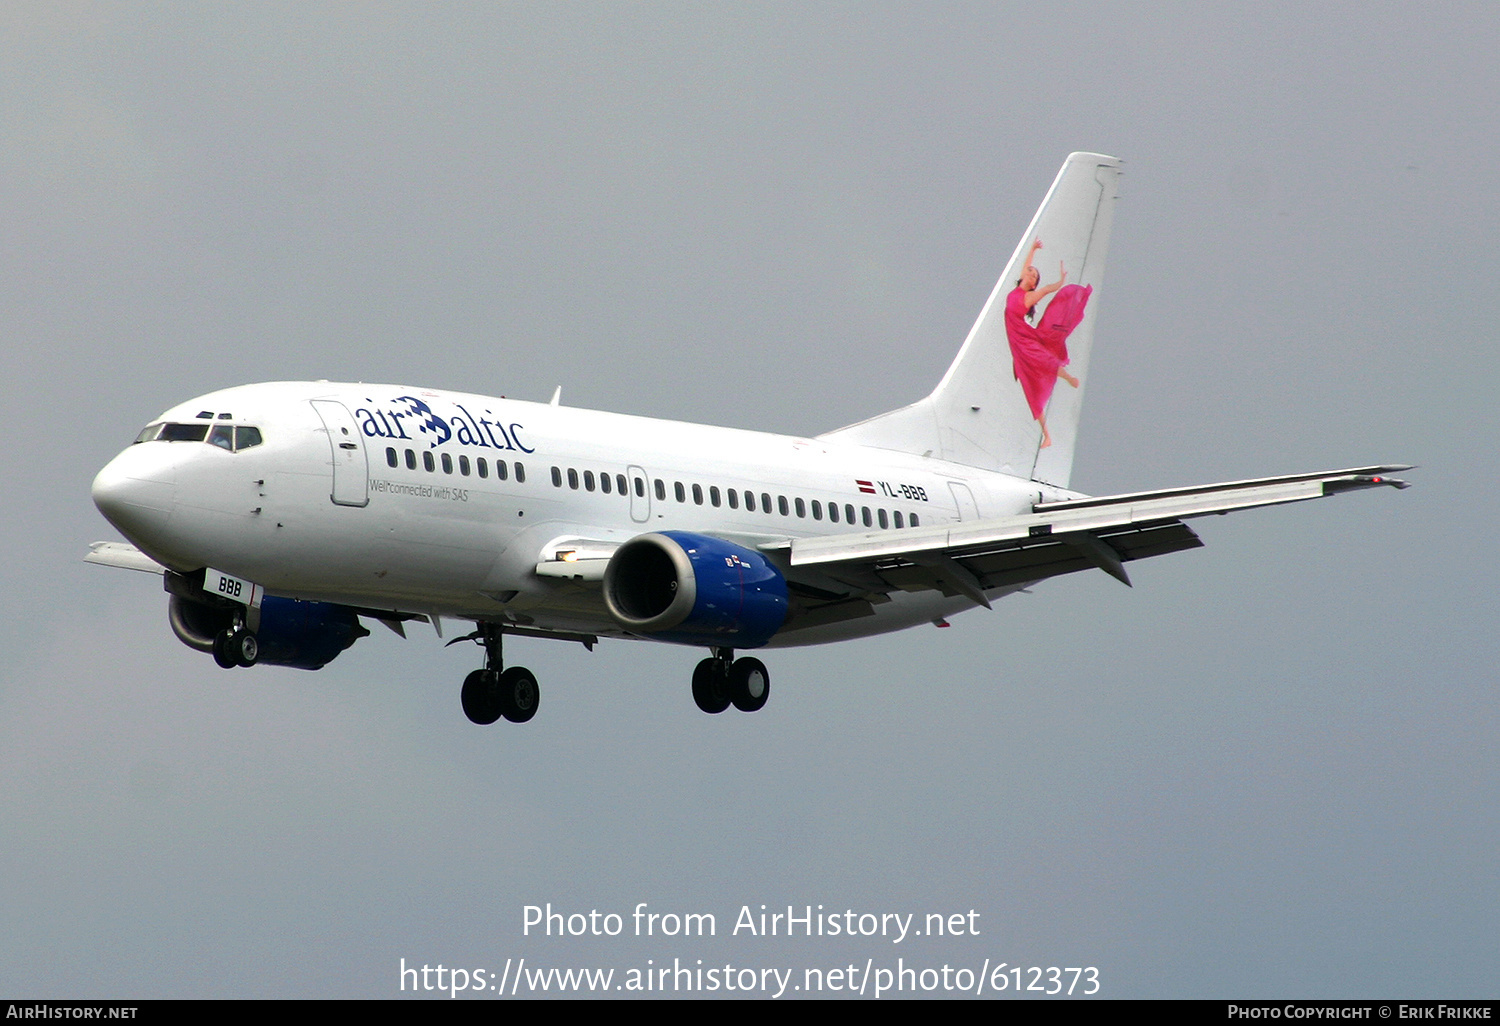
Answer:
[(865, 486)]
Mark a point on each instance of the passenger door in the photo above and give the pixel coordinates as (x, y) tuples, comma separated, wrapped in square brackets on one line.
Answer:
[(351, 468)]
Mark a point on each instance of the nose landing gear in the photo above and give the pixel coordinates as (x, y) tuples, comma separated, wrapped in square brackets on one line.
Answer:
[(722, 680), (236, 646), (493, 692)]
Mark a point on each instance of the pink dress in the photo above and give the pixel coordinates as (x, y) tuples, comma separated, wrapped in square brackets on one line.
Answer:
[(1039, 351)]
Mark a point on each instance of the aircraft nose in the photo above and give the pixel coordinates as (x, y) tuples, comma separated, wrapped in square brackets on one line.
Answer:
[(136, 492)]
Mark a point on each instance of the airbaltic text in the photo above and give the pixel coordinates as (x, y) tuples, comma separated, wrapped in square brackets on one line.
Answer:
[(412, 419)]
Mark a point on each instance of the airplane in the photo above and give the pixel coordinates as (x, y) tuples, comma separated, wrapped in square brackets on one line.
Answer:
[(281, 515)]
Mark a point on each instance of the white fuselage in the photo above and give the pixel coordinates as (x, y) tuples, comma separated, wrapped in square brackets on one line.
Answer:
[(336, 501)]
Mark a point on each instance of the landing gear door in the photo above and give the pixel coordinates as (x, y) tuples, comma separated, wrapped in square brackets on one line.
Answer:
[(351, 470)]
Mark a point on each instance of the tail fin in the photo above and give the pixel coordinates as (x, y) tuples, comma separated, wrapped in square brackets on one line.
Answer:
[(981, 413)]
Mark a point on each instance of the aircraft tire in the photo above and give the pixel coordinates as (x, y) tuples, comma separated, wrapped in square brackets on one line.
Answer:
[(710, 689), (245, 648), (749, 684), (222, 654), (519, 694), (481, 697)]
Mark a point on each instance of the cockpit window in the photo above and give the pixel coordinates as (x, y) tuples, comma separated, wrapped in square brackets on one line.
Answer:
[(226, 436), (183, 432)]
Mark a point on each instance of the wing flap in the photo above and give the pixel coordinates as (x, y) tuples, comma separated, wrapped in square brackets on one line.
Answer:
[(1012, 564)]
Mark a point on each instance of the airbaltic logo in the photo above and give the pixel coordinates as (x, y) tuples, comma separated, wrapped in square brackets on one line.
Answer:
[(409, 414)]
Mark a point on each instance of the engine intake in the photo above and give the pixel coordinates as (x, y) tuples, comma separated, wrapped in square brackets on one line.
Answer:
[(696, 590)]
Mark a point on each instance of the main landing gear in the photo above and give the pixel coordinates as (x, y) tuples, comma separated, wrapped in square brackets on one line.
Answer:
[(493, 692), (236, 646), (722, 680)]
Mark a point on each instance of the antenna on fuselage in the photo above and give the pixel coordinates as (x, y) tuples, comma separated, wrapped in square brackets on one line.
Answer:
[(556, 397)]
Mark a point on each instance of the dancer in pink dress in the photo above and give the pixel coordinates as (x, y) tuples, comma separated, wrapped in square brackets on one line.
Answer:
[(1039, 353)]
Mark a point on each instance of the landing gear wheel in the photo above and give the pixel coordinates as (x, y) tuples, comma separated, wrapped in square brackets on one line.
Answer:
[(749, 684), (481, 696), (245, 648), (519, 694), (222, 654), (709, 686)]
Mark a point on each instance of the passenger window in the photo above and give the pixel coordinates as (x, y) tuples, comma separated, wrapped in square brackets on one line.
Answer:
[(914, 522), (640, 488), (765, 502), (801, 508), (588, 480), (866, 517), (698, 494), (884, 523), (483, 466), (833, 512), (390, 457), (817, 510), (734, 499), (411, 460), (781, 504), (520, 474), (713, 495), (427, 462), (463, 465), (678, 489), (604, 485), (573, 479), (500, 470), (556, 478), (848, 513), (897, 517), (447, 464), (661, 490), (749, 500), (620, 484)]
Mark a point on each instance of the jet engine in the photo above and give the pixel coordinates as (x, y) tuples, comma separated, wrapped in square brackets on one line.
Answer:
[(304, 635), (696, 590)]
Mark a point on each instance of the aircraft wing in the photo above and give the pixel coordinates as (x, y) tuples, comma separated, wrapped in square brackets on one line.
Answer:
[(123, 555), (1056, 538)]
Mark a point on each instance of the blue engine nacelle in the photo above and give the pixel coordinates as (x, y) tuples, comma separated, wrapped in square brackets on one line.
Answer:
[(304, 635), (696, 590)]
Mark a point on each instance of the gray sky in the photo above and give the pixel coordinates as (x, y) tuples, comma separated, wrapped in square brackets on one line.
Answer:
[(1267, 770)]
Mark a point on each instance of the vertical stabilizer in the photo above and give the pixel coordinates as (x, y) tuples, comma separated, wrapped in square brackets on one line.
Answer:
[(1012, 373)]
